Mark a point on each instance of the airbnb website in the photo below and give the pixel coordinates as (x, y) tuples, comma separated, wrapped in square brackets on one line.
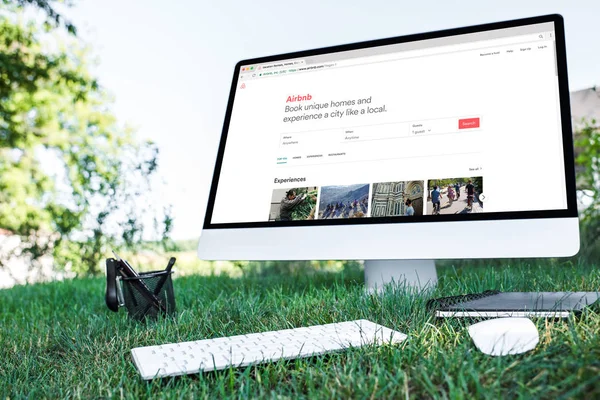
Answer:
[(452, 129)]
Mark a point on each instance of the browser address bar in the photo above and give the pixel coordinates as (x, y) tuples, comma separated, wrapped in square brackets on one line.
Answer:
[(442, 49)]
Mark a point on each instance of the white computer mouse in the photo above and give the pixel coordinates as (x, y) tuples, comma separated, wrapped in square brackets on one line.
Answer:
[(504, 336)]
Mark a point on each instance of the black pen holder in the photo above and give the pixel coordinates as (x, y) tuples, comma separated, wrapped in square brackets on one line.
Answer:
[(139, 307), (146, 296)]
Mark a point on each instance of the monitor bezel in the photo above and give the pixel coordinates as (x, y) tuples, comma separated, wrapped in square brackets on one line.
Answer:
[(568, 153)]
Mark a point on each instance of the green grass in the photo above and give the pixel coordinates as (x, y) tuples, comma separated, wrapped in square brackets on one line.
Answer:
[(59, 339)]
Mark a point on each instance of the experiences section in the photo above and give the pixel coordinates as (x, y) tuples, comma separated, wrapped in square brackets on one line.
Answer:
[(458, 195)]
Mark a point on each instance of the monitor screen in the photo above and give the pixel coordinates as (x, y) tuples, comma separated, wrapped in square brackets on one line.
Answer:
[(452, 125)]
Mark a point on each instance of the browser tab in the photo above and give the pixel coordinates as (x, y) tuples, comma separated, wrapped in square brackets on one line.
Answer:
[(281, 64)]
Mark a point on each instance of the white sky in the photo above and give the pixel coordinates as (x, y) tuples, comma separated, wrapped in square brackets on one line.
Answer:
[(169, 63)]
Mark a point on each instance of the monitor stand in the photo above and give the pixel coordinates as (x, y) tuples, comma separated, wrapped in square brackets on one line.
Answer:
[(416, 275)]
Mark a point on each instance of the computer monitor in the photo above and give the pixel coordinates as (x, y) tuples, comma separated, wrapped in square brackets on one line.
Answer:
[(448, 144)]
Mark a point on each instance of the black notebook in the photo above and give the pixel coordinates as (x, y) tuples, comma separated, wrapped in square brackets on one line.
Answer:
[(493, 303)]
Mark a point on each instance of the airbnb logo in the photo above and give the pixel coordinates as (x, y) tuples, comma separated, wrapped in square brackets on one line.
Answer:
[(243, 86), (292, 99)]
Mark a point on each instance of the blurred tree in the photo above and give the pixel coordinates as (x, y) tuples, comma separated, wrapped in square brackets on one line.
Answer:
[(478, 182), (587, 144), (72, 180), (53, 18)]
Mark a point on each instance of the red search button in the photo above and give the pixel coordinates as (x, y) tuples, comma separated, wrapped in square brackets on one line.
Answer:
[(468, 123)]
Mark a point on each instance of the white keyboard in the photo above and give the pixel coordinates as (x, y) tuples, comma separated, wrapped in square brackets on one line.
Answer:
[(240, 351)]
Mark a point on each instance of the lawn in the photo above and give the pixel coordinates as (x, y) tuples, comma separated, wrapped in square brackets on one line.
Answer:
[(59, 340)]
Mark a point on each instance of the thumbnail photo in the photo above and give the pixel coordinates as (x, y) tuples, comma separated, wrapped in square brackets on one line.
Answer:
[(293, 204), (393, 199), (454, 195), (350, 201)]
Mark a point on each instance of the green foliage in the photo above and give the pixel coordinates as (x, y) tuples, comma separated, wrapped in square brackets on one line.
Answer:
[(296, 269), (306, 209), (186, 245), (72, 179), (587, 147), (53, 18)]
